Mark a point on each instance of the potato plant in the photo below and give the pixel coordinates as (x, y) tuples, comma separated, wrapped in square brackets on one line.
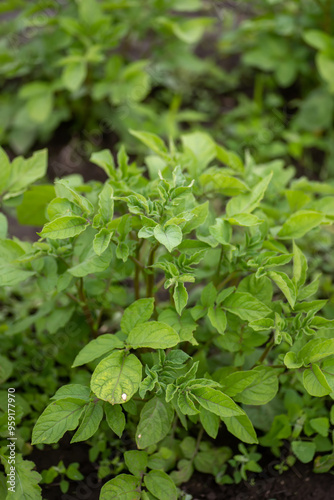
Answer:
[(186, 309)]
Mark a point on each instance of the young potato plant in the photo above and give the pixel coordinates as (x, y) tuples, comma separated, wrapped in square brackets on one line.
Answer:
[(85, 61), (187, 313)]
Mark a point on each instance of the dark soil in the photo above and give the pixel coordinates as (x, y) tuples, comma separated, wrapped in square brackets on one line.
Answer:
[(298, 483)]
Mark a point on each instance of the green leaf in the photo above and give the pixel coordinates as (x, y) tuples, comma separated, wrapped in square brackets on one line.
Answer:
[(244, 220), (210, 422), (106, 203), (320, 425), (105, 160), (34, 203), (5, 170), (285, 285), (59, 417), (3, 225), (26, 479), (123, 487), (89, 425), (246, 203), (117, 377), (11, 275), (6, 369), (101, 241), (170, 236), (73, 391), (152, 141), (300, 223), (115, 418), (246, 306), (200, 214), (160, 485), (316, 349), (221, 231), (180, 296), (74, 75), (242, 428), (96, 348), (217, 318), (262, 390), (208, 295), (216, 402), (154, 335), (315, 382), (138, 312), (220, 182), (202, 147), (299, 266), (155, 422), (303, 450), (136, 462), (92, 264), (24, 172), (64, 227)]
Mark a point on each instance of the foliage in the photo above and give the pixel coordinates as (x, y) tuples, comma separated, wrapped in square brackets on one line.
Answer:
[(184, 294)]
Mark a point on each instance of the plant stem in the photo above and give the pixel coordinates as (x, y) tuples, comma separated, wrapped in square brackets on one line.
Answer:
[(267, 350), (84, 304), (150, 277)]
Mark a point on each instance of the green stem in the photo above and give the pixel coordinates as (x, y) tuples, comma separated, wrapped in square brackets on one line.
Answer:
[(150, 277), (267, 350), (84, 304)]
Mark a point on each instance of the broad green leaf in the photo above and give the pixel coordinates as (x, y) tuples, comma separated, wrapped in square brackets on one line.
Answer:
[(180, 296), (246, 203), (26, 479), (101, 241), (202, 146), (89, 425), (316, 349), (73, 391), (64, 190), (237, 382), (217, 318), (242, 428), (59, 417), (32, 209), (210, 422), (262, 390), (3, 225), (123, 487), (155, 422), (154, 335), (92, 264), (24, 172), (246, 306), (220, 182), (315, 382), (208, 295), (136, 462), (261, 288), (160, 485), (299, 266), (117, 377), (74, 74), (5, 170), (230, 158), (244, 220), (6, 369), (115, 418), (106, 203), (303, 450), (64, 227), (216, 402), (105, 160), (285, 285), (200, 214), (300, 223), (96, 348), (138, 312), (152, 141), (221, 231), (170, 236), (320, 425), (12, 275)]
